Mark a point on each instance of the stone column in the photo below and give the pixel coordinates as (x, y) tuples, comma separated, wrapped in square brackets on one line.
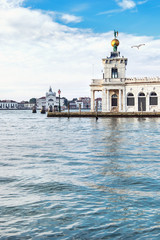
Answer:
[(92, 100), (108, 101), (124, 100), (120, 100), (104, 101), (147, 102), (136, 102)]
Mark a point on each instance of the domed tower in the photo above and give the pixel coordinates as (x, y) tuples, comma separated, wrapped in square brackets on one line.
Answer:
[(115, 65), (113, 84)]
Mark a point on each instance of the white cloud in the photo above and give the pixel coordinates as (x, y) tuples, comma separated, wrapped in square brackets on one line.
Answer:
[(36, 52), (123, 4), (6, 4), (67, 18), (126, 4), (142, 2)]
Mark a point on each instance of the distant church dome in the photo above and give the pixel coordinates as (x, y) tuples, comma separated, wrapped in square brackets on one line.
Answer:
[(50, 93), (115, 42)]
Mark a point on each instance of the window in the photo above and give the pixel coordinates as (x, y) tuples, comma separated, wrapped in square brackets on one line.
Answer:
[(114, 73), (114, 100), (153, 100), (130, 99), (141, 102)]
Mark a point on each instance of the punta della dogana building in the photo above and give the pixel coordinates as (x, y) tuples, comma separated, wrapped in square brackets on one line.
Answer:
[(122, 94)]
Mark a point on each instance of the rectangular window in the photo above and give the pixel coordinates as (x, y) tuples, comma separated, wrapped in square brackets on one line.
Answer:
[(130, 101), (153, 101)]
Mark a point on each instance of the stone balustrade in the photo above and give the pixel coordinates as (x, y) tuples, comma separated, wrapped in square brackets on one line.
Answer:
[(145, 79)]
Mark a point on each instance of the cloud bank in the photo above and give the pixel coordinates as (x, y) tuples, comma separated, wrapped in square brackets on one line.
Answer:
[(36, 52)]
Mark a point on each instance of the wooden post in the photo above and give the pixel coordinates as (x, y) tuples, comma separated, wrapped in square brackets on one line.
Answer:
[(68, 108), (80, 108), (96, 109)]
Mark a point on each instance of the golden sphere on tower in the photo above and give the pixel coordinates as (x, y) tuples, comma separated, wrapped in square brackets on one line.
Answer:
[(115, 42)]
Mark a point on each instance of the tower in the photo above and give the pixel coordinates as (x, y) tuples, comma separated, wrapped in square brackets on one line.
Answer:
[(113, 83), (114, 66)]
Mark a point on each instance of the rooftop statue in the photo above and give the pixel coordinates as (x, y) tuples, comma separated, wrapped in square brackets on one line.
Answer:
[(115, 42), (115, 34)]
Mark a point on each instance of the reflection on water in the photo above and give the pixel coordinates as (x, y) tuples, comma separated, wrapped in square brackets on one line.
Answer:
[(79, 178)]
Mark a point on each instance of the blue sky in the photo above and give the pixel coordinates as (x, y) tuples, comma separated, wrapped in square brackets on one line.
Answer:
[(130, 16), (61, 43)]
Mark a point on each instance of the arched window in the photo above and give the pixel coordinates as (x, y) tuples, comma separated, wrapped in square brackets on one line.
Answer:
[(114, 73), (114, 100), (153, 99), (130, 99)]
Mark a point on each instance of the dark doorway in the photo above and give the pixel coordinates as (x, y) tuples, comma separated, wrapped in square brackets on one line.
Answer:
[(141, 102)]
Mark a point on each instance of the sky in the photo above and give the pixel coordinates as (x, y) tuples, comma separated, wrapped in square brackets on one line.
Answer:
[(61, 43)]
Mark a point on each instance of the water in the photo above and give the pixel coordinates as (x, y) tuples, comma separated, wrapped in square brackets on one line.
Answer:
[(78, 178)]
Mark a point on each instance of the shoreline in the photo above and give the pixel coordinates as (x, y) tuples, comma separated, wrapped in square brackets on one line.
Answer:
[(103, 115)]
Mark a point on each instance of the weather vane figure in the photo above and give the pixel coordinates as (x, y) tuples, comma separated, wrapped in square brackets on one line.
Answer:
[(115, 34), (115, 42)]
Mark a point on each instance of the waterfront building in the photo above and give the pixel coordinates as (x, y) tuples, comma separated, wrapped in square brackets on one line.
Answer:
[(122, 94), (8, 105), (85, 103), (50, 101), (73, 103), (98, 103), (24, 105)]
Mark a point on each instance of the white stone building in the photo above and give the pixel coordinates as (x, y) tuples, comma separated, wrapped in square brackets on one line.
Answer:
[(50, 101), (121, 94), (8, 104)]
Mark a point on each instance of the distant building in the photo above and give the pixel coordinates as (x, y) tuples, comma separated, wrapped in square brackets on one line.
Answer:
[(24, 105), (50, 101), (85, 103), (8, 104), (98, 103), (73, 103)]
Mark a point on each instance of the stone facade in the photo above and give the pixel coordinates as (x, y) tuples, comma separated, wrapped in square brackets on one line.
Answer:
[(8, 105), (121, 94), (50, 101)]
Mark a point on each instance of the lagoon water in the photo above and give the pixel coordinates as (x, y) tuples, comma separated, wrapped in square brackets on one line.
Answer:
[(79, 178)]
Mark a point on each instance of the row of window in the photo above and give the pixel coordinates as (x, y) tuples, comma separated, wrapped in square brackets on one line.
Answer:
[(153, 99), (7, 106)]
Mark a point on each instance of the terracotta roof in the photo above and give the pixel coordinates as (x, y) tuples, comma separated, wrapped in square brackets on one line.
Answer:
[(42, 98)]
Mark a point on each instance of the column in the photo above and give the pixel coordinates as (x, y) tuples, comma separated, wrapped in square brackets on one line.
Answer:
[(104, 101), (136, 102), (147, 102), (92, 100), (124, 100), (120, 100), (108, 101)]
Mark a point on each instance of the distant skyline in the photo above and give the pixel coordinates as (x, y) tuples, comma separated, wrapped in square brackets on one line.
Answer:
[(61, 43)]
